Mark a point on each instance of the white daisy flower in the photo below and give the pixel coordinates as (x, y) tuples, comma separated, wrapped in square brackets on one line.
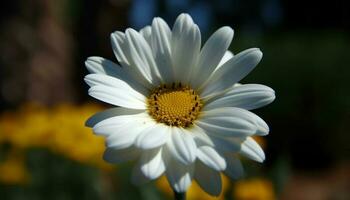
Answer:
[(179, 108)]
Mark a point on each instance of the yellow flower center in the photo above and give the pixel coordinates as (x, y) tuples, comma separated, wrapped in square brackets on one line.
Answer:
[(174, 105)]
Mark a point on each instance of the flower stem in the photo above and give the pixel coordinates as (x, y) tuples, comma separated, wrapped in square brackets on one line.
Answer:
[(179, 196)]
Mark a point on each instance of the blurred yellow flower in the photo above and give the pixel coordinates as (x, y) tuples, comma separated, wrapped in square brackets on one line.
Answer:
[(13, 170), (72, 138), (60, 129), (194, 192), (253, 189)]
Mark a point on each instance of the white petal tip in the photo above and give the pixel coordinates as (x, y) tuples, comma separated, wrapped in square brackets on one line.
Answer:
[(263, 129), (259, 54), (112, 36), (156, 19), (129, 31), (252, 150), (185, 17), (227, 30)]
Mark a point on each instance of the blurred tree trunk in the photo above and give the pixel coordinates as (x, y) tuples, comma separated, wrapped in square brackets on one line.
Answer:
[(44, 44)]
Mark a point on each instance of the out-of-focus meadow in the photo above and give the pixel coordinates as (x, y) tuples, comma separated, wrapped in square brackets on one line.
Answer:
[(46, 152)]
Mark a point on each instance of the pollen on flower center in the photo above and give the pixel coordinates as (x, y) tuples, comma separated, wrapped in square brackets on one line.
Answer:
[(174, 105)]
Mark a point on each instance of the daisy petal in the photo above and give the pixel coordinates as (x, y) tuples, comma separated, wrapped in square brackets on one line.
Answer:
[(232, 121), (118, 156), (211, 54), (186, 42), (151, 162), (141, 56), (248, 96), (208, 179), (114, 91), (110, 125), (121, 51), (112, 112), (182, 146), (232, 71), (234, 167), (161, 46), (153, 137), (211, 158), (227, 122), (124, 136), (178, 175), (119, 48), (228, 55), (99, 65), (146, 32), (252, 150), (225, 144), (200, 137)]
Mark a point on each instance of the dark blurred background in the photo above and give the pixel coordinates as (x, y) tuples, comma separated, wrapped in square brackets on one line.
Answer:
[(44, 44)]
